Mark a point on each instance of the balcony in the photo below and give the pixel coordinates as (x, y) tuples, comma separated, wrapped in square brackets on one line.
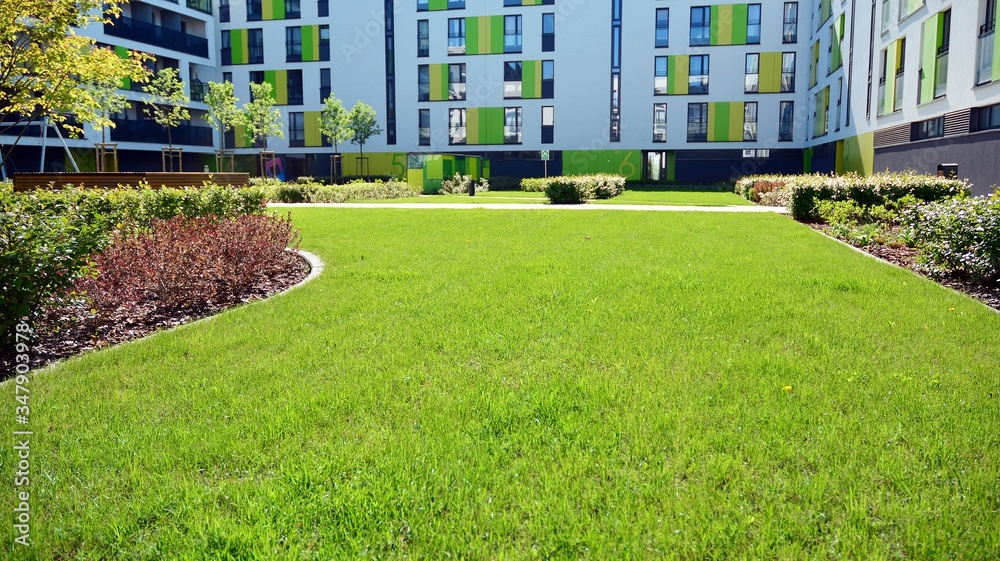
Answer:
[(198, 90), (881, 98), (984, 70), (941, 78), (134, 130), (897, 101), (159, 36)]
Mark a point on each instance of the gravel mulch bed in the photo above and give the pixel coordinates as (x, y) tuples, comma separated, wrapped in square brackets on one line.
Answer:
[(63, 330), (906, 257)]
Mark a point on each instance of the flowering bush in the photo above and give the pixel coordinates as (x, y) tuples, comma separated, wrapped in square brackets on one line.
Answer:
[(574, 189), (535, 184), (186, 263), (960, 236), (460, 185)]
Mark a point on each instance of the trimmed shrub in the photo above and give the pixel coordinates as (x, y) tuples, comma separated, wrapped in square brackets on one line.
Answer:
[(535, 184), (505, 183), (805, 191), (460, 184), (569, 190), (317, 193), (187, 263), (958, 237), (607, 186)]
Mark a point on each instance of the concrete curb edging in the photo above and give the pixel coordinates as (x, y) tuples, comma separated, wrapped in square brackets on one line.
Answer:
[(535, 206), (316, 266)]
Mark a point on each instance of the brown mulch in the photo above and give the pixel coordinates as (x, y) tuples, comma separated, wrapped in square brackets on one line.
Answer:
[(906, 257), (66, 329)]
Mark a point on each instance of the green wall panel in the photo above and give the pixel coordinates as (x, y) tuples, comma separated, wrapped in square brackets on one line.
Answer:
[(770, 73), (728, 25), (627, 163), (678, 69), (725, 121), (239, 42), (484, 35)]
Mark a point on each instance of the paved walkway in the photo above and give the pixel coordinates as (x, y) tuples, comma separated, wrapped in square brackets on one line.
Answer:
[(535, 206)]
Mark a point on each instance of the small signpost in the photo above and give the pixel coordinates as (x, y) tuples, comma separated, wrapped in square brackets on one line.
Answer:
[(545, 158)]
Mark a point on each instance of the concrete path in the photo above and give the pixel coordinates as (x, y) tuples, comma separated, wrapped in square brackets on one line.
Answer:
[(535, 206)]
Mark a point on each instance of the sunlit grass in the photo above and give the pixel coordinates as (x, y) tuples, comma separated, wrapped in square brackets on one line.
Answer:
[(675, 197), (503, 384)]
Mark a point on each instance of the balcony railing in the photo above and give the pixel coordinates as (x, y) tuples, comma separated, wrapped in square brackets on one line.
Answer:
[(698, 84), (880, 110), (157, 35), (897, 102), (198, 90), (984, 70), (941, 79), (134, 130)]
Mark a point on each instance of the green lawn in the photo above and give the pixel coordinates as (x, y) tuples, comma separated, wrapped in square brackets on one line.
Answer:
[(645, 197), (489, 384)]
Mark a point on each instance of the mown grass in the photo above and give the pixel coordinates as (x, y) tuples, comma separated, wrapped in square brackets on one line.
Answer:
[(510, 384), (643, 197)]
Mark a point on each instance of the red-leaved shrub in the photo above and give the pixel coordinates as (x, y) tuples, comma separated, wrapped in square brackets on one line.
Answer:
[(186, 263)]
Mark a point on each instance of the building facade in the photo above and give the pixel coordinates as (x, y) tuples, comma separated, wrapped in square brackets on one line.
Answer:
[(686, 90)]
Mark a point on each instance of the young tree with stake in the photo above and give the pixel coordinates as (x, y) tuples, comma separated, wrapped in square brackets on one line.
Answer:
[(167, 100), (363, 125)]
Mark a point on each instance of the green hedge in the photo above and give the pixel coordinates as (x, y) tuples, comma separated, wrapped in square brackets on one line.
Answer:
[(805, 191), (317, 193)]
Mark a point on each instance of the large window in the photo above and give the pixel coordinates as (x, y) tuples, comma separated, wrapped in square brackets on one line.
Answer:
[(548, 33), (456, 82), (296, 129), (293, 44), (659, 122), (324, 84), (697, 122), (750, 121), (255, 44), (456, 36), (294, 87), (931, 128), (512, 125), (423, 83), (424, 124), (323, 8), (512, 34), (786, 121), (787, 72), (987, 118), (753, 24), (512, 76), (701, 23), (456, 127), (423, 39), (548, 79), (548, 124), (663, 27), (660, 76), (790, 29), (254, 12), (293, 9), (223, 11), (698, 74), (751, 83)]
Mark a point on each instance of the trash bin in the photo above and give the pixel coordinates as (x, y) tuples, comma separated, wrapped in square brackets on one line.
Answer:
[(472, 188), (948, 170)]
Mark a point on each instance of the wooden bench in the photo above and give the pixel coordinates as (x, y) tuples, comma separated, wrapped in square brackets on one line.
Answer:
[(156, 180)]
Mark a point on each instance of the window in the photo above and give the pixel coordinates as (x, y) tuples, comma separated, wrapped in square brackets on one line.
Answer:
[(512, 34), (753, 24), (660, 76), (751, 84), (323, 8), (931, 128), (255, 44), (548, 124), (424, 124), (227, 77), (254, 12), (512, 125), (897, 102), (456, 36), (750, 121), (456, 82), (423, 39), (548, 79), (292, 9), (294, 85), (907, 7), (786, 121), (663, 27), (697, 122), (512, 76), (659, 122), (256, 77), (324, 42), (423, 83), (293, 44), (456, 127), (296, 130), (790, 30), (223, 11), (422, 5), (548, 33), (701, 22), (226, 47), (787, 72), (885, 16), (698, 74), (324, 84), (987, 118)]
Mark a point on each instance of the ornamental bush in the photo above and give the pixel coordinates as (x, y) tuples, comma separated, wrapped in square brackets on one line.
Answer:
[(958, 237), (569, 190), (535, 184), (574, 189), (460, 185), (358, 190)]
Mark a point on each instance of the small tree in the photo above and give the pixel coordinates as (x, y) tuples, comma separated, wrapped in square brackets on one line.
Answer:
[(222, 111), (166, 101), (107, 100), (262, 119), (335, 122), (363, 125)]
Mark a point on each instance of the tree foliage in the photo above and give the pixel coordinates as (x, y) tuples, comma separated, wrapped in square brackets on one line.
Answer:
[(108, 99), (363, 124), (263, 120), (166, 101), (223, 113), (49, 71), (335, 122)]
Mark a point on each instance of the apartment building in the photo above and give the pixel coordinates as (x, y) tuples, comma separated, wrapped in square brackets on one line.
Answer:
[(689, 90)]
